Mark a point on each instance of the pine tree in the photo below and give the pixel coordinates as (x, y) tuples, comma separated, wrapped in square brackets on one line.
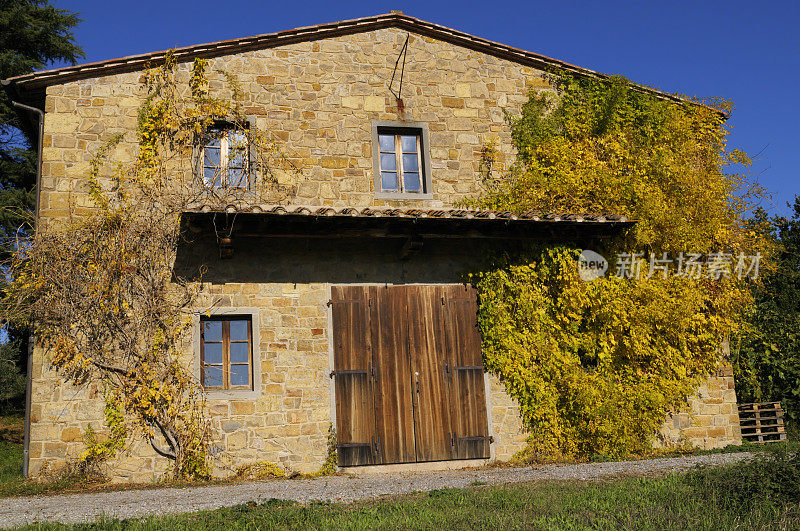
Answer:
[(33, 35)]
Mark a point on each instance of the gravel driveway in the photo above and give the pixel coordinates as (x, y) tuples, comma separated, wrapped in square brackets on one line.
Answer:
[(75, 508)]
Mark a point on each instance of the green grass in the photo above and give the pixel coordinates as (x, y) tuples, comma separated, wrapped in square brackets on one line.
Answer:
[(13, 484), (10, 454), (665, 503), (10, 462), (760, 494)]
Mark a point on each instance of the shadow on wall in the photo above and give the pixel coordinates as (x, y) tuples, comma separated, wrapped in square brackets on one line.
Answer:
[(335, 260)]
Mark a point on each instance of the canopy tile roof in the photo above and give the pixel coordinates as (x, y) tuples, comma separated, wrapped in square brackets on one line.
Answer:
[(403, 223), (411, 213)]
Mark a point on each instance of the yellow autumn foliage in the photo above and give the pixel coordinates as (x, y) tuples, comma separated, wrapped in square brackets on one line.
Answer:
[(596, 366)]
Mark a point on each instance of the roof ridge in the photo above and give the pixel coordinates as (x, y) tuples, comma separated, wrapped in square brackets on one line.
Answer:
[(43, 78)]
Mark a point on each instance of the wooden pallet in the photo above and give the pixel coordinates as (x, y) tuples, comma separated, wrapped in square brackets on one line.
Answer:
[(762, 423)]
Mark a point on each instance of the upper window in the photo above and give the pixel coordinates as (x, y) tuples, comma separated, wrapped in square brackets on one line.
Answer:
[(226, 353), (400, 160), (225, 157)]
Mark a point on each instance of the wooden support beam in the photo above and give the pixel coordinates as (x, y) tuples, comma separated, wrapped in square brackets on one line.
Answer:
[(411, 246)]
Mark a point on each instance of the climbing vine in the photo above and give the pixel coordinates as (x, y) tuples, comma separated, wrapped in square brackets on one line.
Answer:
[(99, 289), (98, 451), (596, 366)]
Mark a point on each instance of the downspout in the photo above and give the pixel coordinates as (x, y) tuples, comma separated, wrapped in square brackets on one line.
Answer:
[(40, 115), (26, 444)]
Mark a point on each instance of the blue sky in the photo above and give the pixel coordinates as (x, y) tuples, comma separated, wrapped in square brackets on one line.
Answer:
[(748, 52)]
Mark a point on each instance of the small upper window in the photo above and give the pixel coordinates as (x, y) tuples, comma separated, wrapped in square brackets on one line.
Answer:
[(401, 168), (225, 157), (226, 353)]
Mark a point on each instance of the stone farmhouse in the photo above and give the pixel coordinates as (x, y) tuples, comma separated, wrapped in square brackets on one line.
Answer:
[(345, 306)]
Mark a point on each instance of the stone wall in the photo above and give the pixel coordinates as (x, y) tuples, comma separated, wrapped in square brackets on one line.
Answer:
[(287, 419), (318, 99), (712, 419)]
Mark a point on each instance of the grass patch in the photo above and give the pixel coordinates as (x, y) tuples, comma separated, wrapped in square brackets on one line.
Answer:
[(12, 428), (772, 477), (672, 502), (10, 462), (759, 494)]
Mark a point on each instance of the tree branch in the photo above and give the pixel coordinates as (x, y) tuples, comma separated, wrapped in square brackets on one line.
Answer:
[(169, 454), (160, 451), (111, 368)]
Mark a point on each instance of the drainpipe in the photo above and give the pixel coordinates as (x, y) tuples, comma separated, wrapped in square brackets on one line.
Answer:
[(29, 376), (40, 114)]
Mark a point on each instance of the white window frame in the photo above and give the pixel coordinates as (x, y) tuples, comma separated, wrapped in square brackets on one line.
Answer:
[(225, 127)]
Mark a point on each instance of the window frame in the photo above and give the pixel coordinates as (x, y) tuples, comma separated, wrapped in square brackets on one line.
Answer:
[(418, 129), (229, 313), (225, 341), (245, 127)]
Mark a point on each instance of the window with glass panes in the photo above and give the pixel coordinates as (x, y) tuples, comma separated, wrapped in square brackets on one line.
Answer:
[(401, 161), (225, 157), (226, 353)]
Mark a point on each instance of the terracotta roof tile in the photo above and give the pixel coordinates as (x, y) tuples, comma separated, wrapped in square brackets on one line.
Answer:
[(37, 80), (411, 213)]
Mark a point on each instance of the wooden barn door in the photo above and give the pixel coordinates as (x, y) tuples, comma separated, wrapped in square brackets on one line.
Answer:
[(408, 374), (426, 348), (353, 377), (469, 428), (394, 411)]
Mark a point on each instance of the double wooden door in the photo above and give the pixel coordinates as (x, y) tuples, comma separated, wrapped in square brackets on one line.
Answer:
[(408, 374)]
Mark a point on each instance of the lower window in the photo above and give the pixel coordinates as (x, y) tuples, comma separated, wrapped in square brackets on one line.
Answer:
[(226, 352)]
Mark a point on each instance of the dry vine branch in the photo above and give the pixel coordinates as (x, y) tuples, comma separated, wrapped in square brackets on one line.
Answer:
[(99, 290)]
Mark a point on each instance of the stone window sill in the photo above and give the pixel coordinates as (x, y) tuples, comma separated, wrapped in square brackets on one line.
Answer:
[(233, 394), (402, 196)]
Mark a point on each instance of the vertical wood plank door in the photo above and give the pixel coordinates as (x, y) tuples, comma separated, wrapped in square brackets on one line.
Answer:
[(408, 374), (469, 422), (427, 352), (355, 408), (393, 385)]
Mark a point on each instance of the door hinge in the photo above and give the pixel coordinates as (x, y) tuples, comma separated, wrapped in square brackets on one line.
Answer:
[(477, 438), (469, 368), (356, 371)]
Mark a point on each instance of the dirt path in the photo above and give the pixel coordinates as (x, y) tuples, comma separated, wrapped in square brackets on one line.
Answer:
[(75, 508)]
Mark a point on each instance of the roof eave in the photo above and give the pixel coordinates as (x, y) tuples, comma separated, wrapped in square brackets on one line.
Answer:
[(36, 81)]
